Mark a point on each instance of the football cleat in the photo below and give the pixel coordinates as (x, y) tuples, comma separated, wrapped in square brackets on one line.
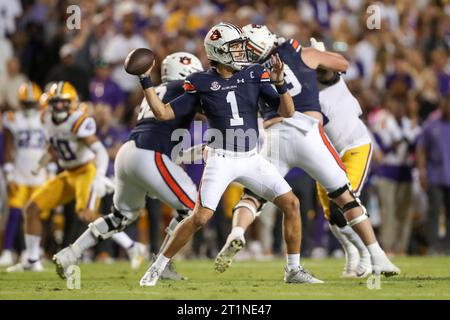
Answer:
[(150, 277), (169, 273), (299, 275), (227, 254), (26, 266), (63, 260), (137, 255), (382, 265)]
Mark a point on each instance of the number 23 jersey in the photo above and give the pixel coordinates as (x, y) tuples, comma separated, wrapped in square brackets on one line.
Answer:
[(65, 138), (29, 145)]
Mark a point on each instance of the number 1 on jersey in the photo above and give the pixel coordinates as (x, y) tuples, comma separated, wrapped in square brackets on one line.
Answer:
[(236, 120)]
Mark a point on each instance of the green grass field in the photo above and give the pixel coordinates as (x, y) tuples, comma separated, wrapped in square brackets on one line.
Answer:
[(422, 278)]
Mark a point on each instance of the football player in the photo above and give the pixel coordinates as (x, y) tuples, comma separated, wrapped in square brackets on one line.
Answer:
[(302, 143), (229, 94), (24, 146), (143, 166), (72, 141)]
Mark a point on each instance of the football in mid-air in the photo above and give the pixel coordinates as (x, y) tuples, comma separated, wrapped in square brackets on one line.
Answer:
[(139, 61)]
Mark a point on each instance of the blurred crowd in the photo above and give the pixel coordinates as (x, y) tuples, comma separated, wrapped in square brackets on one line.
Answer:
[(399, 71)]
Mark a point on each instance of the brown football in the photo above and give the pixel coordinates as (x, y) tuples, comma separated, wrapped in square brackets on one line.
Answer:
[(139, 61)]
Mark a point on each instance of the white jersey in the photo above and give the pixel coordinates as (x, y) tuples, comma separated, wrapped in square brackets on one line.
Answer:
[(29, 145), (345, 129), (65, 138)]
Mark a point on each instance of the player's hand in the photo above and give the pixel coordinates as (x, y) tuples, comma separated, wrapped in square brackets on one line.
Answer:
[(149, 71), (277, 74), (318, 45)]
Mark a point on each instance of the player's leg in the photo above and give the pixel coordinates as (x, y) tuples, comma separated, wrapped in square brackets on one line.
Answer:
[(266, 181), (128, 200), (244, 213), (336, 223), (217, 175), (17, 197), (54, 192)]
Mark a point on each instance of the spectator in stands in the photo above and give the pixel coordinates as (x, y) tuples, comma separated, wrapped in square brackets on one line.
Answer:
[(9, 85), (433, 161)]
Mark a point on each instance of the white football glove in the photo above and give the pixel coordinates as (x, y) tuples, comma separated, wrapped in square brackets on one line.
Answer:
[(192, 155), (318, 45)]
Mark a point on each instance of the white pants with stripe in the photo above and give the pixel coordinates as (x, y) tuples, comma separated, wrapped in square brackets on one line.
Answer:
[(140, 172), (300, 142), (247, 168)]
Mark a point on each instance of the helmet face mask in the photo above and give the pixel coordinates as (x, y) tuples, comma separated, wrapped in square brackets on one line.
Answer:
[(60, 108), (226, 43), (260, 41)]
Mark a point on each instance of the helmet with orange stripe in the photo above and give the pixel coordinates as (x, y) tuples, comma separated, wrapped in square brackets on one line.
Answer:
[(29, 94), (62, 100), (260, 41)]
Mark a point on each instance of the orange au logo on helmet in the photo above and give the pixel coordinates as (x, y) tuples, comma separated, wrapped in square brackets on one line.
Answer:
[(185, 60), (215, 35)]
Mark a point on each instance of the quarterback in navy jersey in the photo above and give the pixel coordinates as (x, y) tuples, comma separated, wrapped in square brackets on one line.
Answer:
[(229, 94), (302, 142), (143, 167)]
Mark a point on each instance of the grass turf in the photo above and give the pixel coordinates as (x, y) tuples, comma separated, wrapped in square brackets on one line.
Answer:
[(421, 278)]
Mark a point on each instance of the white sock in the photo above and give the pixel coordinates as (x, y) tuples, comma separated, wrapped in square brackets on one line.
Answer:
[(237, 232), (84, 242), (161, 262), (375, 249), (123, 240), (293, 261), (354, 238), (340, 236), (32, 244)]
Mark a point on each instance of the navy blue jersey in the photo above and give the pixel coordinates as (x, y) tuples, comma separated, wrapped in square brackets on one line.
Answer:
[(300, 79), (231, 105), (151, 134)]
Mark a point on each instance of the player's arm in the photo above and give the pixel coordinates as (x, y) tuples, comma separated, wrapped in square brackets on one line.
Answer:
[(101, 154), (279, 100), (162, 111), (314, 59)]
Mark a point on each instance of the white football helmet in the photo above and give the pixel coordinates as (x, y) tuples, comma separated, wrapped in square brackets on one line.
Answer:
[(178, 65), (260, 41), (226, 43)]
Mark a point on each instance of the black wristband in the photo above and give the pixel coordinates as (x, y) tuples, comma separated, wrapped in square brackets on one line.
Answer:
[(146, 82), (282, 89)]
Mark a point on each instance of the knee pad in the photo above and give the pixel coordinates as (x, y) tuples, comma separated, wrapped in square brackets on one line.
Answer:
[(104, 227), (257, 201), (350, 205), (336, 216)]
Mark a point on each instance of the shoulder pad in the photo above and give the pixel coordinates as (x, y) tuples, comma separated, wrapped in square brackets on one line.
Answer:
[(86, 128)]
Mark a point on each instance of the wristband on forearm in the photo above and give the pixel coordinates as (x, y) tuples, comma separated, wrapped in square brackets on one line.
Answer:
[(146, 82), (281, 88)]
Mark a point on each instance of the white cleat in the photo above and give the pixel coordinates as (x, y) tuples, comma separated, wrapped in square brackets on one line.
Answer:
[(150, 278), (226, 255), (63, 260), (364, 268), (299, 275), (382, 265), (137, 254), (6, 259), (26, 266)]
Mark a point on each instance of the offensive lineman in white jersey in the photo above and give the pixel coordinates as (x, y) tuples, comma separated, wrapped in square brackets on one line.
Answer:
[(24, 146), (71, 134)]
